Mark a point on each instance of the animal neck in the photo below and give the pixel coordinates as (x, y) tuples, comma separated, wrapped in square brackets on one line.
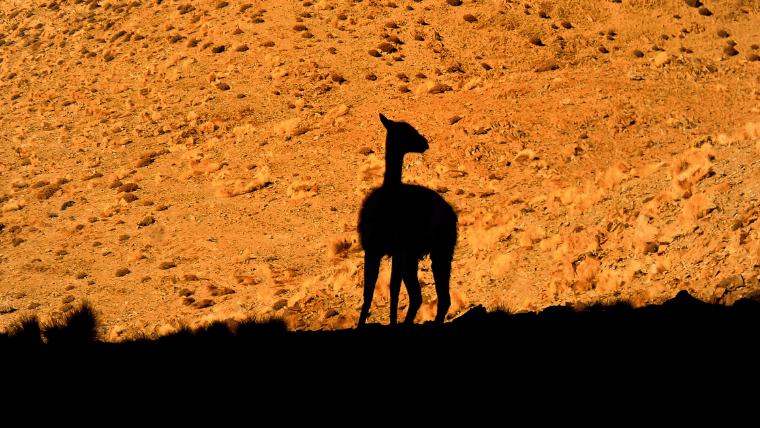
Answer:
[(393, 163)]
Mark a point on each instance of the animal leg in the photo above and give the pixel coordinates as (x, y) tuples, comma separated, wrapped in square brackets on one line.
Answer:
[(371, 269), (441, 267), (412, 283), (397, 272)]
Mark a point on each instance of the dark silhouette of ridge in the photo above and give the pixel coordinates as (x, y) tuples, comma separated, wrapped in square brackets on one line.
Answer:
[(614, 345), (406, 222)]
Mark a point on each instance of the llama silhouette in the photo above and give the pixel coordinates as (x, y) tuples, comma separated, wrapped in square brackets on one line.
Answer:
[(406, 222)]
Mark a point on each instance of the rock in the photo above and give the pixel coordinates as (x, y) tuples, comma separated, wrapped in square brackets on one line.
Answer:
[(147, 221), (661, 59), (730, 283)]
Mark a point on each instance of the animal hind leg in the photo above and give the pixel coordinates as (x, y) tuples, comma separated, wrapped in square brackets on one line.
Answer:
[(441, 266), (397, 272), (371, 269), (413, 288)]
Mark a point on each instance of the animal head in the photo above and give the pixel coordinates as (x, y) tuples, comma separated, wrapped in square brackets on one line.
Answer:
[(402, 136)]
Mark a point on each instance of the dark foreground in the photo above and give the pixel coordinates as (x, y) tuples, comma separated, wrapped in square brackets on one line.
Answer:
[(682, 339)]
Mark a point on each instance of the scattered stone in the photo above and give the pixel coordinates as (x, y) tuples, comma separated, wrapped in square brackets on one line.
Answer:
[(147, 221), (730, 51), (661, 59), (371, 76), (167, 265), (454, 119), (753, 57), (723, 33), (535, 41), (66, 205), (566, 25), (129, 198), (203, 303), (386, 47), (454, 2), (125, 188), (549, 66), (48, 191), (121, 272), (704, 11), (637, 53), (223, 86), (693, 3), (469, 18), (731, 282), (603, 50), (374, 53)]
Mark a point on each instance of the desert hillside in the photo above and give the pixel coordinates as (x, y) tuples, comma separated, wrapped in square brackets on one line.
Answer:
[(183, 161)]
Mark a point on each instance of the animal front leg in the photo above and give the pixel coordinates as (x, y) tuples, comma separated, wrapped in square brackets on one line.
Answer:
[(397, 272), (413, 289), (371, 269), (441, 266)]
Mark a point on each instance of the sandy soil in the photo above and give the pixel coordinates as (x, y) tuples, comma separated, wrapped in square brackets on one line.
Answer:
[(185, 161)]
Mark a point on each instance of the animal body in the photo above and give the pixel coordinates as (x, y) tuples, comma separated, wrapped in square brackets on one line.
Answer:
[(406, 222)]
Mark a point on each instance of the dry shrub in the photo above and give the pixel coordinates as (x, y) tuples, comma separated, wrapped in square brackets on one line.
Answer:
[(340, 246), (652, 207), (612, 176), (661, 264), (697, 207), (578, 200), (503, 264), (575, 244), (608, 282), (642, 234), (558, 285), (691, 167), (230, 188), (551, 243), (370, 175), (301, 189), (346, 277), (586, 273), (532, 234), (489, 229)]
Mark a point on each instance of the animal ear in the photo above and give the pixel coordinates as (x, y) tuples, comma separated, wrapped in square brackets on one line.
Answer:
[(386, 121)]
